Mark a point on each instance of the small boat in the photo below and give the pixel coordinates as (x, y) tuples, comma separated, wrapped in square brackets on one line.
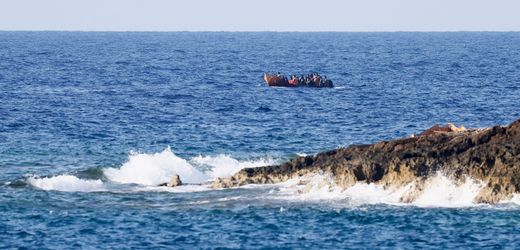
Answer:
[(312, 80)]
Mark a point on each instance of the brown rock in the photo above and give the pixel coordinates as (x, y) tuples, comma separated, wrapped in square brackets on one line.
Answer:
[(490, 155), (443, 129)]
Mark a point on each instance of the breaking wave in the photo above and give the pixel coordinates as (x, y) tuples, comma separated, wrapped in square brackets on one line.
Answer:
[(66, 183), (322, 187), (151, 170), (441, 191), (158, 168), (145, 172), (154, 169), (438, 191)]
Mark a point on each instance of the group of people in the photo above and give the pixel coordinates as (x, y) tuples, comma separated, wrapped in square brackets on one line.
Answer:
[(309, 79), (312, 80)]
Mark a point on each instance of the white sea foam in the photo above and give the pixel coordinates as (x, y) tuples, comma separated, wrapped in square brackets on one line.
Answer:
[(363, 193), (150, 170), (312, 188), (158, 168), (224, 165), (322, 187), (178, 189), (66, 183), (155, 169), (515, 199), (439, 191)]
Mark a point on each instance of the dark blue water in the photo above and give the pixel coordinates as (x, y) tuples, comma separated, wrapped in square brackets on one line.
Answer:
[(75, 104)]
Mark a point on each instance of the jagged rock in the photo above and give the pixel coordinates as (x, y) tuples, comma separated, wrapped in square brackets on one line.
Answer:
[(491, 156)]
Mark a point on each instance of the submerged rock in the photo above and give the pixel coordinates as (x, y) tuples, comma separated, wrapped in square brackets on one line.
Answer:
[(491, 156), (174, 181)]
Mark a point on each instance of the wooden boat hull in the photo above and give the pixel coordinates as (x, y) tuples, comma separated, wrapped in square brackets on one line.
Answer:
[(276, 81)]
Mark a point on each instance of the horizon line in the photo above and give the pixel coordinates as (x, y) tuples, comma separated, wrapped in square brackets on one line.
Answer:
[(261, 31)]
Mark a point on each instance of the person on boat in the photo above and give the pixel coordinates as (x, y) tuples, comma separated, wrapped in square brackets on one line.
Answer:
[(300, 79), (292, 81)]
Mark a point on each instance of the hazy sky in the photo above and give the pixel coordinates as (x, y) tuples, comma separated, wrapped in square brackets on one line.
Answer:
[(261, 15)]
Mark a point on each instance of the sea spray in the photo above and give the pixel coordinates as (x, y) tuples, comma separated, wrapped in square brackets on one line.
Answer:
[(322, 187), (442, 191), (151, 170), (515, 199), (225, 165), (158, 168), (316, 187), (438, 191), (364, 193), (66, 183), (155, 169)]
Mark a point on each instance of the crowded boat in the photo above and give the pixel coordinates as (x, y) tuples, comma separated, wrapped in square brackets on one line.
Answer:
[(304, 80)]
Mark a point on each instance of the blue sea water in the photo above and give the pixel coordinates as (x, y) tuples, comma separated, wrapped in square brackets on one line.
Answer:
[(91, 122)]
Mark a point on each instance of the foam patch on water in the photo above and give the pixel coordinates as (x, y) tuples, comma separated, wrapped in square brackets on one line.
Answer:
[(313, 188), (66, 183), (322, 187), (439, 191), (224, 165), (178, 189), (363, 193)]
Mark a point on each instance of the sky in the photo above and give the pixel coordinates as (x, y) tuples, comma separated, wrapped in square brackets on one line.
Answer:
[(260, 15)]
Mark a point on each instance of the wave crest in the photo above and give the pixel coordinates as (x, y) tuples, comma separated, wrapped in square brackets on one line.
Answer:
[(154, 169), (66, 183)]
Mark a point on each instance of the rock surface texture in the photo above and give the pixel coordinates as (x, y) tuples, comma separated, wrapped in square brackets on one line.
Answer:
[(490, 156)]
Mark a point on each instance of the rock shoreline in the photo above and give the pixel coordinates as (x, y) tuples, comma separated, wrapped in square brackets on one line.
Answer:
[(491, 156)]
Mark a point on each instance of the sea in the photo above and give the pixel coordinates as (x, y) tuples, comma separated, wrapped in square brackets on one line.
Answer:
[(91, 123)]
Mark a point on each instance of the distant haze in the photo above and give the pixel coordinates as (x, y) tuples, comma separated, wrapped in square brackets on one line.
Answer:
[(265, 15)]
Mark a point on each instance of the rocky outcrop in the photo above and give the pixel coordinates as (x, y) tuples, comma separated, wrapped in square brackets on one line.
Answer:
[(174, 181), (490, 155)]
